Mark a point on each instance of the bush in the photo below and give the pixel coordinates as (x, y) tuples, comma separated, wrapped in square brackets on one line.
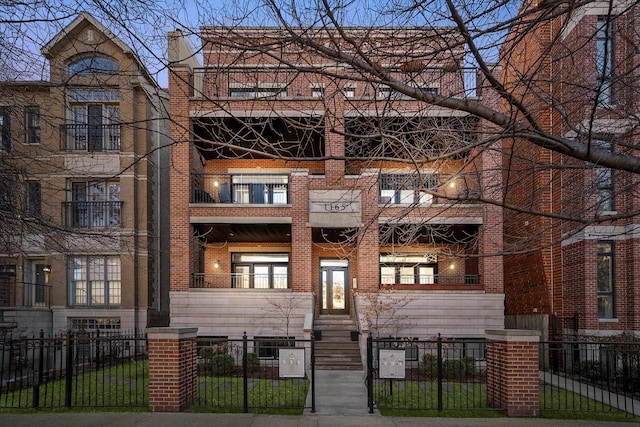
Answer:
[(428, 365), (456, 369), (215, 363), (222, 364), (253, 362), (591, 369), (452, 369)]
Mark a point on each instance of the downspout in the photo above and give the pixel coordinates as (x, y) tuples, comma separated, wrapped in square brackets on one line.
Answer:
[(136, 234)]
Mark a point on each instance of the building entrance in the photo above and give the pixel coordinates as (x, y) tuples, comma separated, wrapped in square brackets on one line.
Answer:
[(334, 289)]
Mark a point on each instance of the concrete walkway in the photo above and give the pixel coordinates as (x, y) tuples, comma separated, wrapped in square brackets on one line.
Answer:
[(339, 393)]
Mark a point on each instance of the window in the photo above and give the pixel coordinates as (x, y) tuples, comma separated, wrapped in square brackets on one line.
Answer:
[(268, 347), (475, 348), (94, 204), (605, 279), (94, 120), (95, 280), (317, 90), (94, 323), (349, 90), (5, 129), (32, 125), (405, 188), (259, 189), (34, 200), (93, 65), (260, 271), (604, 183), (604, 60), (408, 269)]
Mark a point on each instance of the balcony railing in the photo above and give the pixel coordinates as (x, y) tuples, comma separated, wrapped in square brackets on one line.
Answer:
[(281, 82), (260, 189), (93, 214), (85, 137), (239, 281), (405, 189), (436, 279)]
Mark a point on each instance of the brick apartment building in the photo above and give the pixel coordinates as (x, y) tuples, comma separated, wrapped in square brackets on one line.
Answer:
[(298, 186), (584, 273), (81, 189)]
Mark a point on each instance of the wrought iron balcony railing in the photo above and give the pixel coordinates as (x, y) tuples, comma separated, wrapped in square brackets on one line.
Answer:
[(85, 137), (93, 214)]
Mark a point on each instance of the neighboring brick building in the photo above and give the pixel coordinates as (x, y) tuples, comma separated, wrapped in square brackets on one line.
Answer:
[(577, 76), (81, 159), (286, 201)]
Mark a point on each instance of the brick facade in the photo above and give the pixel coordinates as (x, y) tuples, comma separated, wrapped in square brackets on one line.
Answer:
[(334, 216), (551, 267)]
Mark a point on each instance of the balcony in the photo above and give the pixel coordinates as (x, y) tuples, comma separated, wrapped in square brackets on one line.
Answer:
[(239, 281), (85, 137), (279, 81), (435, 282), (92, 214), (256, 189)]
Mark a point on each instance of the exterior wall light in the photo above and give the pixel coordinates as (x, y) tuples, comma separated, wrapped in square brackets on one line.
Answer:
[(47, 272)]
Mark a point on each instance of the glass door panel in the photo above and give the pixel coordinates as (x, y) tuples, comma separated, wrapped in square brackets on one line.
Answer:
[(334, 290)]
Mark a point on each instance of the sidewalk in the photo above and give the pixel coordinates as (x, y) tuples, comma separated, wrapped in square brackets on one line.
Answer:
[(146, 419)]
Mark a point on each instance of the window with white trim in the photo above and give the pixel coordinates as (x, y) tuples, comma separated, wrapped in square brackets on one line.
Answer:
[(605, 279), (260, 270), (95, 281), (94, 122), (94, 204), (604, 59), (32, 125), (408, 269), (604, 183), (406, 188)]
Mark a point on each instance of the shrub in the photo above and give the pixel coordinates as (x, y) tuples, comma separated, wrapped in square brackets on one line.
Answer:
[(222, 364), (455, 369), (428, 365), (253, 362), (591, 369)]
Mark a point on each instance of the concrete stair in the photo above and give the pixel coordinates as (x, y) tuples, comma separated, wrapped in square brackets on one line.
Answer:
[(335, 350)]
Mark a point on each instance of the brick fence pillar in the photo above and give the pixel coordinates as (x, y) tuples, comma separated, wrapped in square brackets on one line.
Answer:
[(512, 372), (173, 368)]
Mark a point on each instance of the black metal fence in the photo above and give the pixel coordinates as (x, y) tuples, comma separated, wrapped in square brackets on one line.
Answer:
[(75, 369), (590, 376), (255, 375), (426, 375)]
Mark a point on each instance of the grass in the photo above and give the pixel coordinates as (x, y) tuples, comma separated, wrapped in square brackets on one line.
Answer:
[(419, 399), (122, 385), (226, 394)]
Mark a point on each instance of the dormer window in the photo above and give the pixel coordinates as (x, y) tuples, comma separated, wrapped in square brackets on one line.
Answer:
[(93, 65)]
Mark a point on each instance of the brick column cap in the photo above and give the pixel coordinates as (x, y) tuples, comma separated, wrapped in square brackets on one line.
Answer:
[(513, 335), (172, 333)]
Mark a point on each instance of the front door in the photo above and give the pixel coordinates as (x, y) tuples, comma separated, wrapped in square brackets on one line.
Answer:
[(334, 289)]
